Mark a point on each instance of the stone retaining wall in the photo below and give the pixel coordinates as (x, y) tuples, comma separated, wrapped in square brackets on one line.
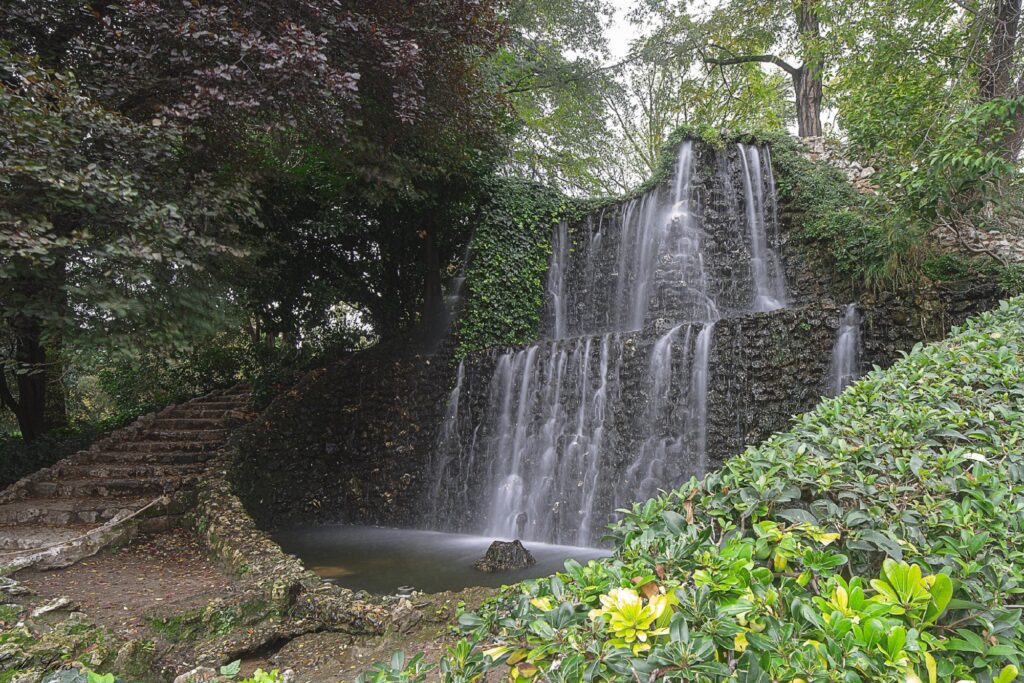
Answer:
[(282, 580), (352, 442)]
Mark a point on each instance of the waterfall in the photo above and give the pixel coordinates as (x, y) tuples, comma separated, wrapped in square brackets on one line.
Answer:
[(556, 280), (446, 456), (844, 367), (764, 263), (546, 423), (648, 471), (551, 445), (697, 425)]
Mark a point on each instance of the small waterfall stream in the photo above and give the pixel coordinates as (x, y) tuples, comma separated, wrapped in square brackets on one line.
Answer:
[(548, 447), (769, 290), (844, 367)]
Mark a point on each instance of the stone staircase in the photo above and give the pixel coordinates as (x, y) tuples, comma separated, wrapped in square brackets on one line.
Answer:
[(72, 508)]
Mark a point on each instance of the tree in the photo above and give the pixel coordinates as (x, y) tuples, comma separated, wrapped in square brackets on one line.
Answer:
[(794, 35), (926, 93), (661, 89), (98, 215), (1000, 75), (139, 133), (796, 30), (552, 71)]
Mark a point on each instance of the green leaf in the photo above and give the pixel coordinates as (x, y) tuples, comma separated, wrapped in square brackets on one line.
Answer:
[(941, 591), (231, 668)]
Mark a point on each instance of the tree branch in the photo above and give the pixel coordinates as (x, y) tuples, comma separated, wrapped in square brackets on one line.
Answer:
[(764, 59)]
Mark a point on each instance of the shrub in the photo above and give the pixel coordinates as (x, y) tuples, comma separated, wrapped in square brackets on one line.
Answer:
[(19, 458), (877, 540)]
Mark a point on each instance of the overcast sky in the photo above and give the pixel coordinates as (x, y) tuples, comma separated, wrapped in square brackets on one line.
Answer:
[(620, 32)]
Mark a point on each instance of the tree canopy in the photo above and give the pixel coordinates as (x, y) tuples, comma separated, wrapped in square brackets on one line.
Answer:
[(175, 169)]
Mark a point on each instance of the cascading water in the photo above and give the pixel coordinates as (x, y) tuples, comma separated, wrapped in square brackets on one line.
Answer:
[(549, 448), (844, 367), (545, 423), (443, 488), (768, 285), (675, 445)]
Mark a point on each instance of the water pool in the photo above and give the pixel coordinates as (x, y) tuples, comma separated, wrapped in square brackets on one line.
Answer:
[(381, 560)]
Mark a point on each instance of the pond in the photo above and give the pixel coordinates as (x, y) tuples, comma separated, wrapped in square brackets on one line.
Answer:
[(383, 560)]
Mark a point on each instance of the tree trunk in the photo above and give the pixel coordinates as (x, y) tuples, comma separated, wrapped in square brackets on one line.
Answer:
[(807, 86), (56, 411), (30, 378), (995, 76), (36, 298), (807, 83)]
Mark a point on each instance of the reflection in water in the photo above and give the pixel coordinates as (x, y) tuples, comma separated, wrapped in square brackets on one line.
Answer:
[(381, 560)]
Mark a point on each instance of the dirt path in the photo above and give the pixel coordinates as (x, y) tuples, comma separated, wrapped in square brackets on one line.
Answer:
[(121, 588), (167, 573)]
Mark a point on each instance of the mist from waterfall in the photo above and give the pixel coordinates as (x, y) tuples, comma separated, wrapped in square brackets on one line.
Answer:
[(552, 448)]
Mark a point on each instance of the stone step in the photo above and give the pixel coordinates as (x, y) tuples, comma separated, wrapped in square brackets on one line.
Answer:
[(108, 458), (197, 412), (109, 488), (158, 434), (39, 536), (65, 511), (177, 423), (216, 404), (162, 446), (131, 470)]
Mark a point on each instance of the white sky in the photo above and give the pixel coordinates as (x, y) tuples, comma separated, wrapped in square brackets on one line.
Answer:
[(620, 31)]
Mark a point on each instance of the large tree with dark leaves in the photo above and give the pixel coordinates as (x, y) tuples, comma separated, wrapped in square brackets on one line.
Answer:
[(138, 130)]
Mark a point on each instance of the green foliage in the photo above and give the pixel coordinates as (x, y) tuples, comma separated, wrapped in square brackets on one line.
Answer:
[(869, 245), (398, 670), (871, 242), (510, 250), (231, 669), (20, 458), (874, 541), (1011, 279), (261, 676), (158, 378), (9, 614), (893, 87)]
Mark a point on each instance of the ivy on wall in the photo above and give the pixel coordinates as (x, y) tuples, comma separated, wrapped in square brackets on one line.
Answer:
[(510, 250), (865, 240), (860, 238)]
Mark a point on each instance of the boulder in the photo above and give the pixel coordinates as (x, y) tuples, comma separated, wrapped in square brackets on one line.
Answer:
[(503, 556), (200, 674)]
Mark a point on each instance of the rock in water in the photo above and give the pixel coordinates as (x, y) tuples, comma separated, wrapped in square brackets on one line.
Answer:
[(505, 556)]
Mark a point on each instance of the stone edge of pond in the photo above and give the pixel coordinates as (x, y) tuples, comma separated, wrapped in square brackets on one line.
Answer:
[(290, 589)]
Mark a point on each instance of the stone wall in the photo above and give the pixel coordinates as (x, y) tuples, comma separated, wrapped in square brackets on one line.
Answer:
[(770, 367), (353, 441), (346, 442)]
